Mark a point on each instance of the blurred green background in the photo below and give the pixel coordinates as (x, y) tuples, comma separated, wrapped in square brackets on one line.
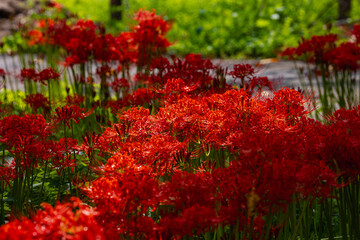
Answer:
[(226, 28)]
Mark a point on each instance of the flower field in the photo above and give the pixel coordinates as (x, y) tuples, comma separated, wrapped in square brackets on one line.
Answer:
[(113, 139)]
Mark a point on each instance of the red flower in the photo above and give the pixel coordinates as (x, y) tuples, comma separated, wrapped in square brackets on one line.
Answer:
[(76, 99), (28, 74), (149, 34), (47, 74), (2, 73), (290, 103), (120, 83), (316, 48), (37, 101), (260, 82), (345, 57), (72, 220), (61, 154), (7, 174), (356, 32), (104, 71), (178, 85), (122, 201), (289, 52), (13, 128), (242, 71), (66, 113), (141, 96), (36, 37)]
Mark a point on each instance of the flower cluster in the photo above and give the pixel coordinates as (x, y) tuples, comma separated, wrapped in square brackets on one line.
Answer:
[(182, 153), (29, 74), (71, 220)]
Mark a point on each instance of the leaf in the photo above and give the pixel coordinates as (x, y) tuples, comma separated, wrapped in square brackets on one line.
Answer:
[(262, 23)]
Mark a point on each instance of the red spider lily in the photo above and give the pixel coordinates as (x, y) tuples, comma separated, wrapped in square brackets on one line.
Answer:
[(2, 73), (242, 71), (356, 32), (120, 163), (30, 151), (28, 74), (275, 155), (110, 140), (289, 52), (178, 85), (290, 103), (341, 142), (61, 154), (7, 174), (345, 56), (127, 47), (158, 152), (90, 140), (76, 99), (184, 117), (134, 114), (60, 163), (120, 83), (122, 200), (315, 49), (233, 184), (85, 40), (37, 101), (194, 220), (36, 37), (150, 35), (43, 76), (13, 128), (128, 118), (260, 82), (47, 74), (117, 106), (160, 63), (192, 204), (25, 137), (316, 180), (81, 35), (141, 96), (194, 70), (66, 113), (90, 143), (45, 23), (175, 88), (104, 71), (72, 220), (186, 189), (106, 48)]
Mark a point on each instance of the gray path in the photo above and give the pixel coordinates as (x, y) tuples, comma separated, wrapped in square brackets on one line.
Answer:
[(282, 73)]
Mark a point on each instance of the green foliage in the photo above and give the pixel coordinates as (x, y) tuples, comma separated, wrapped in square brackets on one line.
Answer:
[(221, 28)]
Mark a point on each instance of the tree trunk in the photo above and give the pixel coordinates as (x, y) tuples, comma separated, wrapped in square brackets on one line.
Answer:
[(344, 9), (115, 11)]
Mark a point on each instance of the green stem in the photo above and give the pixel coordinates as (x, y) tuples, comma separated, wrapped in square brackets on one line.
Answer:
[(49, 89), (294, 236), (2, 213), (44, 177), (328, 214)]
